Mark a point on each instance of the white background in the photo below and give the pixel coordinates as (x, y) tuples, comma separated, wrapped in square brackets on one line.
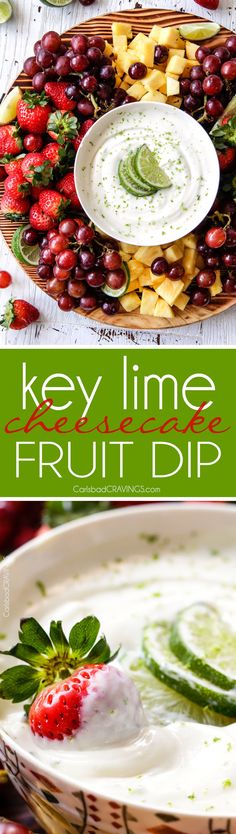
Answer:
[(30, 21)]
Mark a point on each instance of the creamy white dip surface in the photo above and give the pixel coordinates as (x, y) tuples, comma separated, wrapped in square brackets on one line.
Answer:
[(174, 761), (182, 149)]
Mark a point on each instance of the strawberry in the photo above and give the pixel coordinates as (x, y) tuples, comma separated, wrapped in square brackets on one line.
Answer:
[(33, 112), (13, 165), (18, 314), (62, 126), (16, 185), (226, 158), (10, 141), (67, 186), (39, 220), (36, 169), (36, 190), (83, 130), (14, 209), (52, 203), (60, 157), (224, 132), (56, 92), (56, 712), (208, 4)]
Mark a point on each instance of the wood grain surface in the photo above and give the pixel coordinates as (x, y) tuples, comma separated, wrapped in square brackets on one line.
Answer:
[(30, 20)]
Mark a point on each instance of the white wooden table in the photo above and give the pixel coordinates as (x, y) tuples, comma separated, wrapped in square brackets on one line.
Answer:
[(31, 19)]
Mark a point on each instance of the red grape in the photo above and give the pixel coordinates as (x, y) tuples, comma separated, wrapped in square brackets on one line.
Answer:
[(58, 244), (88, 303), (79, 43), (97, 41), (229, 259), (159, 266), (196, 73), (160, 54), (30, 66), (79, 63), (185, 86), (215, 237), (61, 274), (95, 278), (62, 65), (37, 46), (212, 85), (230, 237), (212, 261), (48, 256), (44, 271), (72, 92), (85, 107), (32, 142), (191, 103), (51, 41), (76, 288), (110, 307), (214, 108), (67, 259), (112, 260), (39, 81), (230, 285), (65, 302), (196, 88), (228, 70), (44, 58), (55, 287), (84, 234), (67, 227), (106, 73), (30, 237), (205, 278), (200, 298), (115, 279), (5, 279), (128, 99), (138, 70), (201, 53), (86, 259), (94, 55), (176, 272), (211, 64), (89, 84), (230, 43), (222, 53)]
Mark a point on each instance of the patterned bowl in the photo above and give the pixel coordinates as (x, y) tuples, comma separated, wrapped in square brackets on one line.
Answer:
[(59, 804)]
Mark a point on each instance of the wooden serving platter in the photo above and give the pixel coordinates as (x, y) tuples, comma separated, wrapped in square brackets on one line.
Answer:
[(141, 20)]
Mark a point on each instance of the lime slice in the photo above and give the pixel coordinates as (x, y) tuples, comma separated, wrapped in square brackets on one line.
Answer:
[(132, 173), (25, 254), (121, 291), (8, 106), (162, 704), (128, 183), (148, 169), (166, 667), (5, 11), (198, 31), (204, 643), (59, 3)]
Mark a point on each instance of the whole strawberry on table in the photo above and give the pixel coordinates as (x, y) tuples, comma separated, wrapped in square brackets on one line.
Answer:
[(71, 86)]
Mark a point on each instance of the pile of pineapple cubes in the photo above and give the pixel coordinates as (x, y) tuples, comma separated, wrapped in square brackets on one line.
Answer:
[(161, 82), (158, 295)]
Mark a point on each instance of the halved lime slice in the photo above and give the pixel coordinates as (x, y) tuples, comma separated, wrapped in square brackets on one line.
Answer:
[(8, 106), (148, 169), (204, 643), (129, 185), (198, 31), (166, 667), (59, 3), (5, 11), (121, 291), (132, 173), (25, 254), (163, 705)]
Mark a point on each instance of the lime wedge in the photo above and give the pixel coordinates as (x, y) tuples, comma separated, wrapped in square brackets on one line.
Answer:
[(148, 169), (129, 184), (198, 31), (168, 668), (25, 254), (59, 3), (132, 173), (5, 11), (8, 106), (204, 643)]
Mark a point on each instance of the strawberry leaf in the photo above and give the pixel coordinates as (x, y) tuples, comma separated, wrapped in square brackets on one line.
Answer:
[(19, 683), (33, 634), (58, 637), (83, 635), (27, 653), (100, 653)]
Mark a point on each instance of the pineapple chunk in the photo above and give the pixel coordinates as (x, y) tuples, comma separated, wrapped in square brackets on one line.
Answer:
[(175, 101), (163, 310), (182, 301), (108, 49), (176, 65), (146, 53), (217, 287), (187, 279), (133, 285), (191, 62), (119, 43), (190, 241), (117, 81), (136, 90), (173, 253), (135, 269), (170, 290), (130, 302), (127, 79), (128, 247), (122, 29), (172, 87), (180, 52), (154, 80), (154, 96), (148, 303), (169, 36), (126, 59), (163, 88), (155, 33), (124, 86), (145, 279), (139, 40), (191, 49), (147, 254), (125, 256), (189, 260), (157, 280)]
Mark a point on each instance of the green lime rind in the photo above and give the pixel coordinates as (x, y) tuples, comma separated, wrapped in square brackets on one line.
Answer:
[(5, 11), (27, 255), (198, 31), (148, 170), (128, 183), (168, 668), (122, 290), (132, 173), (204, 643), (58, 3)]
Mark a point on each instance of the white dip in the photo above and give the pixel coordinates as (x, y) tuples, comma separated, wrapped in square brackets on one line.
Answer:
[(174, 761)]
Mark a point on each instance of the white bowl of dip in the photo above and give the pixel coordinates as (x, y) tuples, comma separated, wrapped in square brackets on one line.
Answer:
[(184, 151), (128, 567)]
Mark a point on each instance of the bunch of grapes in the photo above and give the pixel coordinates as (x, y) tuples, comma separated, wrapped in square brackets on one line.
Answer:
[(77, 264), (212, 84), (19, 522)]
